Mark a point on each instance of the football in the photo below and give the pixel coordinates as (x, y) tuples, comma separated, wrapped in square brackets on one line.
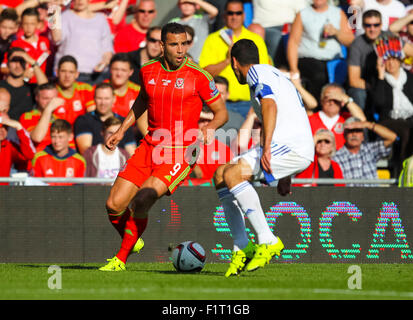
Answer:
[(189, 256)]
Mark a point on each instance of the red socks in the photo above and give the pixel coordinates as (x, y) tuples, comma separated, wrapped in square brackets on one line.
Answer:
[(134, 229)]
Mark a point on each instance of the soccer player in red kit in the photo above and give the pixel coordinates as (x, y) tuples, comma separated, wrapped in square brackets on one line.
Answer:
[(173, 90)]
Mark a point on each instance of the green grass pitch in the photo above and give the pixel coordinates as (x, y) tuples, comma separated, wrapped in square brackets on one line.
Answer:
[(159, 281)]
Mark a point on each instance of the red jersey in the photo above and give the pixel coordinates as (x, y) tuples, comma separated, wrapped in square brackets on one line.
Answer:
[(338, 128), (212, 156), (76, 105), (124, 103), (128, 39), (175, 99), (39, 51), (29, 121), (48, 165), (12, 153)]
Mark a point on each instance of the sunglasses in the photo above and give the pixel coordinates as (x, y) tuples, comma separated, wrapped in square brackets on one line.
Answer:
[(146, 11), (238, 13), (353, 130), (326, 141), (370, 25), (153, 40)]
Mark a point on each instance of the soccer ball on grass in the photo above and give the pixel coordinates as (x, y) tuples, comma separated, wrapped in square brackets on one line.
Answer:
[(188, 256)]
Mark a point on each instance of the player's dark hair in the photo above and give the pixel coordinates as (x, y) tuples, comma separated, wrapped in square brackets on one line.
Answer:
[(9, 14), (67, 58), (233, 1), (61, 125), (122, 57), (30, 12), (104, 85), (221, 80), (246, 52), (44, 86), (111, 121), (172, 27), (372, 13)]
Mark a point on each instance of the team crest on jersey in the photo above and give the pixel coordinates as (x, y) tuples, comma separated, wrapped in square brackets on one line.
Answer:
[(70, 172), (339, 128), (179, 83), (77, 105)]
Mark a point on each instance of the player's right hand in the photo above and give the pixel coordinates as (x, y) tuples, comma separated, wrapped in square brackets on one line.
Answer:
[(114, 140), (266, 160)]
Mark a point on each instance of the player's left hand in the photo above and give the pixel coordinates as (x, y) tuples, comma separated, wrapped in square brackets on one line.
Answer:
[(266, 160)]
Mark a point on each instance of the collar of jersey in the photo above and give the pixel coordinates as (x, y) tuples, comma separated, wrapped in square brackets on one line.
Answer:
[(49, 150), (167, 70)]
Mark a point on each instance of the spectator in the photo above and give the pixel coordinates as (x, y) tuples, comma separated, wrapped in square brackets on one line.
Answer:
[(88, 128), (38, 121), (58, 159), (316, 37), (132, 36), (235, 120), (10, 152), (212, 155), (390, 11), (37, 47), (270, 16), (333, 112), (78, 96), (358, 159), (404, 27), (151, 50), (216, 60), (20, 91), (102, 162), (393, 100), (8, 28), (86, 36), (362, 59), (190, 35), (126, 91), (115, 12), (323, 166), (200, 22)]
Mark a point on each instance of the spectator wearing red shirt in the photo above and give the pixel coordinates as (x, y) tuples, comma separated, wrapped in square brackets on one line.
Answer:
[(78, 96), (333, 114), (58, 159), (132, 36), (126, 91), (10, 152), (38, 121), (36, 46), (323, 166)]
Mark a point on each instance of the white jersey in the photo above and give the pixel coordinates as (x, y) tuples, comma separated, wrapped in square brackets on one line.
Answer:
[(292, 127)]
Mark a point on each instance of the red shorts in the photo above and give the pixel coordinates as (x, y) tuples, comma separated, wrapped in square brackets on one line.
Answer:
[(166, 163)]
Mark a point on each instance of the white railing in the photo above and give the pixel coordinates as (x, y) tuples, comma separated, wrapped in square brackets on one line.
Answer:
[(324, 181)]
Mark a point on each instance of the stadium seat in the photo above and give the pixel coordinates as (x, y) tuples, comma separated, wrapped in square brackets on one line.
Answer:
[(337, 68)]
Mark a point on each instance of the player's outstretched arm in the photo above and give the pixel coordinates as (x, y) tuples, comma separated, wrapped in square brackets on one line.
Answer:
[(269, 116)]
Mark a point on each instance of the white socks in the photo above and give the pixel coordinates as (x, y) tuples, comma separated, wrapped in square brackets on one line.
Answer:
[(234, 218), (249, 202)]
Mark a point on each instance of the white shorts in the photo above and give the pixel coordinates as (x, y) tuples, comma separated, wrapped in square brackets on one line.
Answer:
[(284, 162)]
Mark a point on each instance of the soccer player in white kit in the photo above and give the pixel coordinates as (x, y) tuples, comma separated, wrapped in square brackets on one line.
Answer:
[(286, 148)]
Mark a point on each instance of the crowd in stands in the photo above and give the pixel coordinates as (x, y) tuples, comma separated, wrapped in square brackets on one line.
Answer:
[(70, 74)]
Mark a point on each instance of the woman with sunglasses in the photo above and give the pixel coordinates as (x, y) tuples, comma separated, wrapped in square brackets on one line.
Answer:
[(323, 166)]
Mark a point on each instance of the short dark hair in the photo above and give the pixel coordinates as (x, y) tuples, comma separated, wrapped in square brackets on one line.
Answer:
[(246, 52), (61, 125), (30, 12), (221, 80), (13, 50), (152, 29), (111, 121), (172, 27), (44, 86), (104, 85), (9, 14), (233, 1), (67, 58), (122, 57), (372, 13)]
